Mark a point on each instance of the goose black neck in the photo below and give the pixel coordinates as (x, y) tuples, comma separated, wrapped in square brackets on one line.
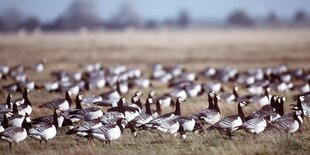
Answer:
[(15, 110), (26, 125), (119, 124), (158, 108), (118, 87), (25, 96), (68, 98), (8, 101), (299, 103), (273, 101), (177, 108), (280, 109), (240, 113), (55, 120), (235, 93), (78, 103), (138, 103), (210, 100), (148, 107), (266, 92), (216, 106), (5, 122)]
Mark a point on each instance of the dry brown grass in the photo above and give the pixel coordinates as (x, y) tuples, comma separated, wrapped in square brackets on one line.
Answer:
[(194, 49)]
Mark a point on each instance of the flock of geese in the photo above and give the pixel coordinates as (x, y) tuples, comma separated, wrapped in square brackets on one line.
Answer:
[(87, 119)]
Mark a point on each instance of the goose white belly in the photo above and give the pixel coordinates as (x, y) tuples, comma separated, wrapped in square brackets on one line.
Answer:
[(294, 127), (256, 127), (188, 125), (235, 124), (16, 137), (46, 134), (113, 133)]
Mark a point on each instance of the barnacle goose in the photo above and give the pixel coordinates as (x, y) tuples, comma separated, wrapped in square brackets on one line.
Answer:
[(141, 119), (230, 123), (89, 113), (45, 131), (81, 129), (129, 112), (289, 124), (60, 103), (15, 134), (108, 132), (212, 114), (15, 119), (167, 123), (274, 109)]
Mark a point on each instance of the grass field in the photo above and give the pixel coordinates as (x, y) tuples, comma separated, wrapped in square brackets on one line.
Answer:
[(241, 48)]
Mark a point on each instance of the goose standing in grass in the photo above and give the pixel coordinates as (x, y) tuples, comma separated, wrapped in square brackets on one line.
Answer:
[(167, 123), (141, 119), (61, 103), (15, 134), (212, 114), (230, 123), (44, 131), (81, 129), (107, 133), (289, 124)]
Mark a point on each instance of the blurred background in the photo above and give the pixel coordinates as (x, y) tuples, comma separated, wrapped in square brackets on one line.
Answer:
[(111, 15)]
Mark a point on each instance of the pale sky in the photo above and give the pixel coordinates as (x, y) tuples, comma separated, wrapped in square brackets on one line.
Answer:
[(48, 10)]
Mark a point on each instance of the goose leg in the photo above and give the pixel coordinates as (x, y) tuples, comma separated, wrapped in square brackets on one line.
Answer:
[(40, 142), (10, 145)]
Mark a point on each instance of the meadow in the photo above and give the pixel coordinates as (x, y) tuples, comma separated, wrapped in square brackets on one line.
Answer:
[(195, 49)]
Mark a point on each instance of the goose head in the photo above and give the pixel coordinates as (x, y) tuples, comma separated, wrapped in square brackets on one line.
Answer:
[(152, 94), (138, 93)]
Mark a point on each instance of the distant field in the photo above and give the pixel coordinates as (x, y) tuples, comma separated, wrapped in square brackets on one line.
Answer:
[(241, 48)]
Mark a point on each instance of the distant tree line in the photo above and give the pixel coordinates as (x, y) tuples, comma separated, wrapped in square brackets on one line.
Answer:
[(82, 14)]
